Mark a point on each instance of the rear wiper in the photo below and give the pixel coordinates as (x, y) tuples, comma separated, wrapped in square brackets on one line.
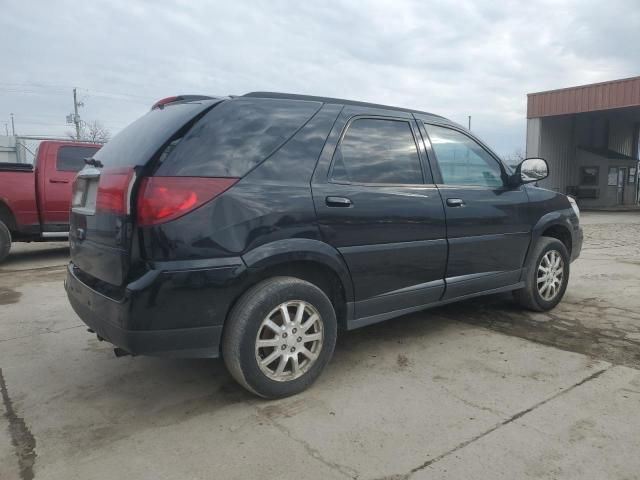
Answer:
[(93, 162)]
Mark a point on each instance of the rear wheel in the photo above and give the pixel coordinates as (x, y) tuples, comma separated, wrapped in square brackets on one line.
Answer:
[(5, 241), (547, 276), (279, 337)]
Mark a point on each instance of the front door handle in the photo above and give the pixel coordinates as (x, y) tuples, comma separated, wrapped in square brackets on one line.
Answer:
[(338, 202), (58, 180), (455, 202)]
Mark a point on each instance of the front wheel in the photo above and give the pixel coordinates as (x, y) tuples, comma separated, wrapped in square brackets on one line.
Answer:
[(279, 337), (5, 241), (547, 276)]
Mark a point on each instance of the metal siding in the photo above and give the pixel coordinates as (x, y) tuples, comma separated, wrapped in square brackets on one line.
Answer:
[(586, 98), (556, 146), (621, 136), (533, 137)]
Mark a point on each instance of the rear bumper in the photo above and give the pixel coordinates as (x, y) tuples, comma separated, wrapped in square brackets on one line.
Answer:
[(164, 313)]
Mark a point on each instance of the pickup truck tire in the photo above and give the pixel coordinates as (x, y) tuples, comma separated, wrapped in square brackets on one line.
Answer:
[(285, 319), (547, 276), (5, 241)]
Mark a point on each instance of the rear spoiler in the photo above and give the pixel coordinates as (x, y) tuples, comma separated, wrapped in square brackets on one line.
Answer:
[(179, 98)]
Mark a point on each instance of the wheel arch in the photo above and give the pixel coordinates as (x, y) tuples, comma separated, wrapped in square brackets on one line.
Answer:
[(554, 225), (6, 216), (307, 259)]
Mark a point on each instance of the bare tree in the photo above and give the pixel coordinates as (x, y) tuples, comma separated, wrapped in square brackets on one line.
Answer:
[(515, 157), (94, 132)]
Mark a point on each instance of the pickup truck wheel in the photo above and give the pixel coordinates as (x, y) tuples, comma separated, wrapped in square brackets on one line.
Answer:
[(279, 337), (547, 276), (5, 241)]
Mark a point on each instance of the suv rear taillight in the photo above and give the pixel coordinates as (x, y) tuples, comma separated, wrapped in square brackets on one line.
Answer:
[(114, 189), (162, 199)]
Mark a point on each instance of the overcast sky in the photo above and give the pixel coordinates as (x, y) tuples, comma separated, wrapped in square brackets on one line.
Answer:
[(459, 58)]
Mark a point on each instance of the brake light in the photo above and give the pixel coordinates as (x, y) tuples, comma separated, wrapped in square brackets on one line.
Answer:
[(113, 191), (161, 103), (162, 199)]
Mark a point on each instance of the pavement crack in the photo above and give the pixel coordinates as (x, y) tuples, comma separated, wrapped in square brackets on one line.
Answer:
[(46, 332), (311, 451), (22, 439), (509, 420)]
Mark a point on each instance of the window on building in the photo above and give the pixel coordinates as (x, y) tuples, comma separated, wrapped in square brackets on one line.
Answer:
[(462, 160), (377, 151), (589, 175)]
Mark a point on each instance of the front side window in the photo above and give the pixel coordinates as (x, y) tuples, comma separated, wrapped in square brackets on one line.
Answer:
[(377, 151), (71, 159), (462, 160)]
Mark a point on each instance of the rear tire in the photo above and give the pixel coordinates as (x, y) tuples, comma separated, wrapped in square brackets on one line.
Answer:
[(547, 276), (285, 319), (5, 241)]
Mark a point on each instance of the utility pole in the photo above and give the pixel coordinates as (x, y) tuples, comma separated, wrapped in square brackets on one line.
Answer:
[(6, 129), (13, 126), (76, 117), (469, 128)]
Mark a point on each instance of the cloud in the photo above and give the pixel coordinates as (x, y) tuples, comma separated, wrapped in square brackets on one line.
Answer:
[(476, 58)]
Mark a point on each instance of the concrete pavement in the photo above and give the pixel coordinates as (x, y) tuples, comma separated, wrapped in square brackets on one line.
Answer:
[(475, 390)]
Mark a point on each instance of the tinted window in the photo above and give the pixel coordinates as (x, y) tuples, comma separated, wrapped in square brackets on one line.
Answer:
[(71, 159), (235, 136), (377, 151), (462, 160), (136, 144)]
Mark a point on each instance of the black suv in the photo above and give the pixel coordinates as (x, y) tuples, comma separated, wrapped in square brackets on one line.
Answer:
[(256, 227)]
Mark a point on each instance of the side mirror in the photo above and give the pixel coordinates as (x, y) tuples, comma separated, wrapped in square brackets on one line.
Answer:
[(532, 170)]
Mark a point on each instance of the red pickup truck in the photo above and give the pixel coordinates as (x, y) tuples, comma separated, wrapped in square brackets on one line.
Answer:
[(35, 199)]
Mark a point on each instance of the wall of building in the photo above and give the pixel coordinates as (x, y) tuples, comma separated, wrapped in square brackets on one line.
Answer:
[(607, 194), (8, 149), (556, 145), (569, 142)]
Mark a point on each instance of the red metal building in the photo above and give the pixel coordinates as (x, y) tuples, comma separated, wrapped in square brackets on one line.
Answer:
[(590, 136)]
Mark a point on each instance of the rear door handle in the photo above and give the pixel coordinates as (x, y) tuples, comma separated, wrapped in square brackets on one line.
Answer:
[(338, 202), (58, 180), (455, 202)]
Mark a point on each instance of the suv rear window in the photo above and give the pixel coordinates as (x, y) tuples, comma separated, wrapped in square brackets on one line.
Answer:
[(136, 144), (71, 159), (236, 136)]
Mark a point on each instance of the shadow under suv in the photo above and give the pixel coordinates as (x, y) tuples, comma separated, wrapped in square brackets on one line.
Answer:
[(257, 227)]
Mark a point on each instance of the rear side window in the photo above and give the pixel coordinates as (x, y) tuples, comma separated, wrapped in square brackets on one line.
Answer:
[(377, 151), (236, 136), (71, 159)]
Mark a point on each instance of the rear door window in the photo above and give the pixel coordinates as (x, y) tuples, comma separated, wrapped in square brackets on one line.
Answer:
[(236, 136), (377, 151), (71, 159)]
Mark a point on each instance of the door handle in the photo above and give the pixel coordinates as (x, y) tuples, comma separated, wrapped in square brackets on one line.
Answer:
[(58, 180), (338, 202), (455, 202)]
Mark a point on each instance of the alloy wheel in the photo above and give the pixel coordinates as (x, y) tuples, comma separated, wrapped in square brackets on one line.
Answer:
[(550, 275), (289, 340)]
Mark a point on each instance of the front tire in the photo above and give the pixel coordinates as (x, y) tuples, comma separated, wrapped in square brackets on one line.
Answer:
[(5, 241), (279, 336), (547, 276)]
